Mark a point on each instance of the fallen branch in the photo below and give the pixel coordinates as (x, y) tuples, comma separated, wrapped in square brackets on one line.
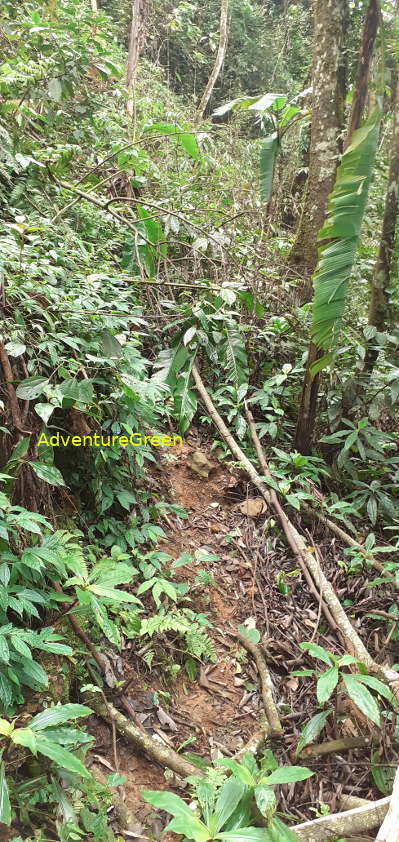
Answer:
[(345, 537), (142, 741), (352, 640), (266, 685), (389, 830), (346, 824), (337, 746)]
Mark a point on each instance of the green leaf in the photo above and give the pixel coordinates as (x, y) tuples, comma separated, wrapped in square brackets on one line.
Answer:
[(345, 212), (167, 801), (185, 821), (287, 775), (267, 160), (61, 757), (31, 388), (317, 652), (238, 770), (48, 473), (326, 684), (25, 737), (251, 634), (280, 832), (265, 800), (15, 349), (57, 715), (55, 89), (362, 698), (228, 799), (20, 450), (376, 685), (5, 806), (312, 729), (246, 834), (44, 411)]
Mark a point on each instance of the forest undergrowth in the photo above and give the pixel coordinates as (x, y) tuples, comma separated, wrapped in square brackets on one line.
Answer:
[(199, 528)]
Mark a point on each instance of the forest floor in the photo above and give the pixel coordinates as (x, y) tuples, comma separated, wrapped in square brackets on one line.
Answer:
[(222, 709)]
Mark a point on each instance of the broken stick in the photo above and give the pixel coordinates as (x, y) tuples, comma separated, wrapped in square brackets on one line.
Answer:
[(266, 685)]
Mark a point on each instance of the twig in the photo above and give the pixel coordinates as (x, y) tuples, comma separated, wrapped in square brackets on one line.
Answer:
[(336, 746), (162, 754), (271, 711)]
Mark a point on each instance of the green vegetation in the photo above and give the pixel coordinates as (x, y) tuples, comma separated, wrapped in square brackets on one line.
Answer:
[(150, 287)]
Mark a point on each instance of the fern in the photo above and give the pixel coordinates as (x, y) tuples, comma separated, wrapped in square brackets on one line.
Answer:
[(236, 358), (186, 623)]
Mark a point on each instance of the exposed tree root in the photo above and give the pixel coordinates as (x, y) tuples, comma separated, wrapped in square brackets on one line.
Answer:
[(139, 739), (347, 824), (389, 830), (353, 643), (271, 711), (14, 405)]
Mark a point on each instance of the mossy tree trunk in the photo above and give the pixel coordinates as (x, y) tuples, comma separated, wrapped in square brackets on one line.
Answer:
[(326, 126)]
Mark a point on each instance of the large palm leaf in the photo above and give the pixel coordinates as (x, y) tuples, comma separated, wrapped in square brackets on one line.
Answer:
[(345, 211)]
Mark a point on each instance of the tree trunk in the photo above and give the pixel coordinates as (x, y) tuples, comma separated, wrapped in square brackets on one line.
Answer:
[(135, 44), (224, 13), (379, 303), (360, 89), (308, 408), (327, 119), (94, 6)]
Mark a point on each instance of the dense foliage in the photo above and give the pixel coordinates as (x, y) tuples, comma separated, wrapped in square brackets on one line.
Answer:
[(132, 251)]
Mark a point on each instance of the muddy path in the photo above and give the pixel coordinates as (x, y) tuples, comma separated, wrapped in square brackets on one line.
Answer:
[(253, 579)]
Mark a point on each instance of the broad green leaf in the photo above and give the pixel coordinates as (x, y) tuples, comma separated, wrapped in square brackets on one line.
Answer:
[(267, 160), (246, 834), (228, 799), (15, 349), (280, 832), (189, 826), (362, 698), (345, 212), (265, 800), (25, 737), (326, 684), (55, 89), (48, 473), (44, 411), (58, 714), (31, 388), (287, 775), (312, 729), (5, 806), (61, 757), (167, 801), (20, 450), (317, 652), (376, 685), (238, 770)]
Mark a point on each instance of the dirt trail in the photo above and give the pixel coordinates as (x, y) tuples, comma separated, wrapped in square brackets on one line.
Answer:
[(254, 577), (221, 708)]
